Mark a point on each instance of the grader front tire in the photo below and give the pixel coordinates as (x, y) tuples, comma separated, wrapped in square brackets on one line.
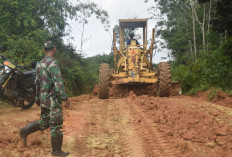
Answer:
[(104, 81), (164, 79)]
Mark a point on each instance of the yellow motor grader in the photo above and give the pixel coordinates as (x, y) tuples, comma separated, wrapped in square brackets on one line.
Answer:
[(133, 62)]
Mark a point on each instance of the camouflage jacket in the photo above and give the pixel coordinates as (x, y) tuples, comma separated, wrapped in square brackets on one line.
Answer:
[(49, 83)]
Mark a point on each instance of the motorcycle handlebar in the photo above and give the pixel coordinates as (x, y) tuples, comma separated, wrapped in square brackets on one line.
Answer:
[(18, 66)]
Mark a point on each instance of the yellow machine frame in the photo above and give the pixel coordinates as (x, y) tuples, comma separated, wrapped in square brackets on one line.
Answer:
[(133, 63)]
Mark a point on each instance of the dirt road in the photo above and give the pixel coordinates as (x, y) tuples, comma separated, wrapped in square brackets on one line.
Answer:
[(136, 126)]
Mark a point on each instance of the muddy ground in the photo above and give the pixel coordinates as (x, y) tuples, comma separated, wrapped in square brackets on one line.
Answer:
[(134, 126)]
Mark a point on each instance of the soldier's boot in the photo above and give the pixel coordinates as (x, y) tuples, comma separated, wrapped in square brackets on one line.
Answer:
[(30, 128), (56, 146)]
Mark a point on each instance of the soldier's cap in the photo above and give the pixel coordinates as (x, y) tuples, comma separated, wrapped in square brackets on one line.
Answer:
[(49, 45)]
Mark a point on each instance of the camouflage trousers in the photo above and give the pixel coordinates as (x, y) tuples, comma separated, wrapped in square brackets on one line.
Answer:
[(52, 117)]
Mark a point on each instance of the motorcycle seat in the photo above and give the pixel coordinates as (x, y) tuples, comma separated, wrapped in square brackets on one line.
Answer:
[(29, 73)]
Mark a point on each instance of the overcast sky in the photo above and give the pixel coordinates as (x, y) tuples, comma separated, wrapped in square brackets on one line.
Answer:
[(99, 41)]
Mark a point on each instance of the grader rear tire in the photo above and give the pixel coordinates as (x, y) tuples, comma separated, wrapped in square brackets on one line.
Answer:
[(164, 79), (104, 81)]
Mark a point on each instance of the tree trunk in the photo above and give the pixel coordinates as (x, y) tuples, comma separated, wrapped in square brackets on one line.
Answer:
[(225, 35), (209, 20), (194, 32), (82, 36), (203, 38), (203, 27), (201, 24), (189, 40), (191, 49)]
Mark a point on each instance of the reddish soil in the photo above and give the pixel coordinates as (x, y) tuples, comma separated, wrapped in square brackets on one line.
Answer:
[(136, 126), (220, 98), (122, 91)]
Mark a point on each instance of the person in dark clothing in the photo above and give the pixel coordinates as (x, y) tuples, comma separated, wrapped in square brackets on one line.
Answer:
[(128, 42)]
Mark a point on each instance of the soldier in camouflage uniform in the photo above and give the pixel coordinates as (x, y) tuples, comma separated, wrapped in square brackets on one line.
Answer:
[(50, 92)]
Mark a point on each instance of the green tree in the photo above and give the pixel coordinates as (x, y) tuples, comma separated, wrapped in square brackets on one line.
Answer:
[(198, 33), (25, 25)]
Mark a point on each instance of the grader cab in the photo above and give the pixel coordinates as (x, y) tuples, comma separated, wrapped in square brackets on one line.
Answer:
[(133, 62)]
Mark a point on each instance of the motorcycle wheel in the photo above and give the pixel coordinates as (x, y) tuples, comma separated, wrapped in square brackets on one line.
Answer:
[(26, 104)]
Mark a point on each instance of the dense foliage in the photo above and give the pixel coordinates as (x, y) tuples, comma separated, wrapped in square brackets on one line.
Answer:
[(212, 69), (198, 32), (26, 24)]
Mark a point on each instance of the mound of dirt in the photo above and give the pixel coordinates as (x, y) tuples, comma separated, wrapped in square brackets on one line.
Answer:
[(122, 91), (219, 98), (84, 97), (176, 88), (188, 123)]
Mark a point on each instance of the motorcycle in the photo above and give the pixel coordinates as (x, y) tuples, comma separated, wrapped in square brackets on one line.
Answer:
[(17, 85)]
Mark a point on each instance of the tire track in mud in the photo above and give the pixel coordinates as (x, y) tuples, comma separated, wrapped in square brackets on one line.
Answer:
[(109, 132), (154, 143), (123, 127), (116, 127), (103, 133), (133, 143), (222, 114)]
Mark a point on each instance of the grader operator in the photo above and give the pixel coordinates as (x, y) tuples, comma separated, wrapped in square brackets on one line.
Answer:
[(133, 62)]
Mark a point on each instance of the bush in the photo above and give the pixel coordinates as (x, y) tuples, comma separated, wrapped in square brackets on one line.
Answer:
[(212, 93), (210, 70)]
